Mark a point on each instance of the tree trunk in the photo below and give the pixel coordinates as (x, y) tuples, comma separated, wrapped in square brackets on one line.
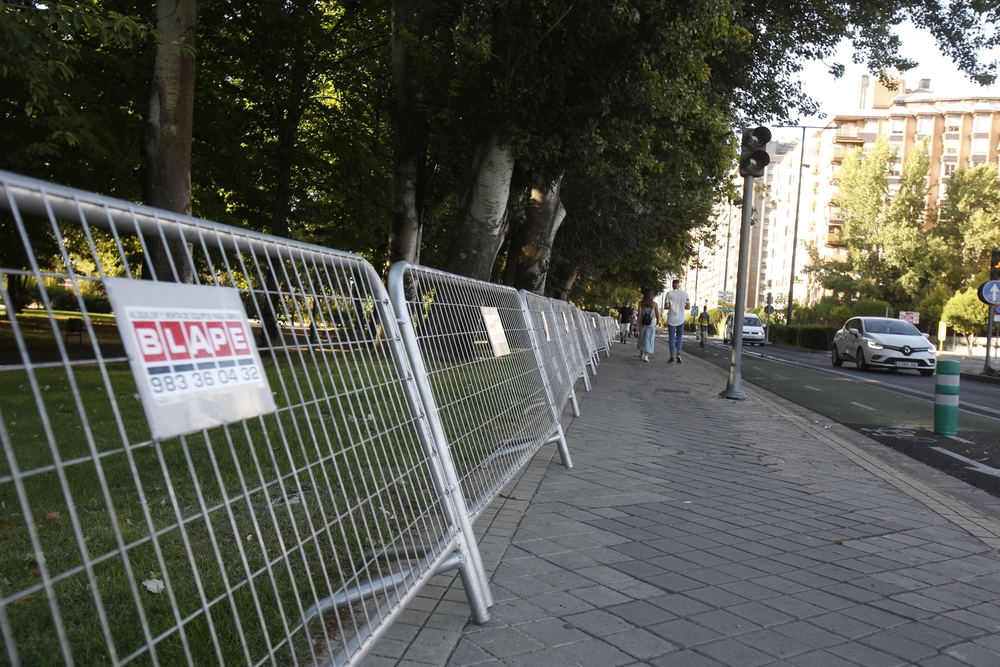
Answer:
[(545, 214), (483, 223), (168, 129), (562, 292), (409, 148)]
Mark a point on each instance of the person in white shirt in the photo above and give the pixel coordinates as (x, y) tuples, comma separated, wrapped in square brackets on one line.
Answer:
[(675, 304)]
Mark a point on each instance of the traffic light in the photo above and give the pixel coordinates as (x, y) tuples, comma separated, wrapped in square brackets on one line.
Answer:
[(995, 264), (753, 157)]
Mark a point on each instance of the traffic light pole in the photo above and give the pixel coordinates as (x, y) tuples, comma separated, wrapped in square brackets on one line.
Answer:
[(734, 388)]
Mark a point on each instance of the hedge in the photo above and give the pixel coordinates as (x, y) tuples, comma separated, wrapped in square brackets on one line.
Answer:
[(809, 336)]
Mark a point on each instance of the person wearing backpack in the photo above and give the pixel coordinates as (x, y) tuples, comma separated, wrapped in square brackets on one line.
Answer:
[(677, 302), (648, 314)]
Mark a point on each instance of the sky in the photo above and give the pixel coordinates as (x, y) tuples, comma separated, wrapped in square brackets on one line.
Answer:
[(841, 95)]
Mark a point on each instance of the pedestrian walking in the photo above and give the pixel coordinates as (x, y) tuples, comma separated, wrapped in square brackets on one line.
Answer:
[(648, 313), (703, 320), (625, 314), (677, 302)]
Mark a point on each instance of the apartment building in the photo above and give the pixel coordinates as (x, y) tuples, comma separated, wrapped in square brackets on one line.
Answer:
[(963, 131)]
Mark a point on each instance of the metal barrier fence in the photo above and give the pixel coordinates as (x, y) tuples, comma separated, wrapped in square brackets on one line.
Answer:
[(585, 334), (578, 356), (601, 342), (557, 364), (480, 374), (235, 471)]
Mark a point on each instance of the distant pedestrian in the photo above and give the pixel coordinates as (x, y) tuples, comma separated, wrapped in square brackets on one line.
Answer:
[(625, 314), (677, 302), (648, 313), (703, 320)]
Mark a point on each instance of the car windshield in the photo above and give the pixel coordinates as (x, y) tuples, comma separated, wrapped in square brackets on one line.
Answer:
[(894, 327), (751, 321)]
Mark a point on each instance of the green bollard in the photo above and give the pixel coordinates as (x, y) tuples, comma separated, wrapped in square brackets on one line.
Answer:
[(946, 397)]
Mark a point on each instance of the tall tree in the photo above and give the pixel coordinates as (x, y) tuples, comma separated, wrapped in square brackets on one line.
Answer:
[(168, 130)]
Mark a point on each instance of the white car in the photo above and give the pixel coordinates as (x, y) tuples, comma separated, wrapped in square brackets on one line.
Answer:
[(882, 342), (753, 329)]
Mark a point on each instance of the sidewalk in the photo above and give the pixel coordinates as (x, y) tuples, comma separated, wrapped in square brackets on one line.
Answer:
[(699, 531)]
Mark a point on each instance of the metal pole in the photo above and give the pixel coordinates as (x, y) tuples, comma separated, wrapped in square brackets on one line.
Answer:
[(989, 337), (729, 235), (734, 389), (795, 229)]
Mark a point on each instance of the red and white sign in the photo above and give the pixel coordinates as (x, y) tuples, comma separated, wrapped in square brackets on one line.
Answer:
[(193, 355), (911, 316)]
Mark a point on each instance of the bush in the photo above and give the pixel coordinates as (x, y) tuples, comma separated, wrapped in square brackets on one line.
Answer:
[(870, 308), (808, 336), (64, 298), (840, 314)]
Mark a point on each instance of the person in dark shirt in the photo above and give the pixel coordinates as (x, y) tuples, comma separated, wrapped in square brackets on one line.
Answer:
[(625, 314), (703, 320)]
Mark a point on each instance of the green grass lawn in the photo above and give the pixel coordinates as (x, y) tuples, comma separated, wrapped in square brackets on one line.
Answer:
[(206, 514)]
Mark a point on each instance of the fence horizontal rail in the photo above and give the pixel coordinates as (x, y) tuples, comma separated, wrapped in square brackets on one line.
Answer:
[(236, 470)]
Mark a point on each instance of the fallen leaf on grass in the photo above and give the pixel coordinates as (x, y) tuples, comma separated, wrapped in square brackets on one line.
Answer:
[(87, 538), (153, 585), (26, 598), (52, 515), (35, 572)]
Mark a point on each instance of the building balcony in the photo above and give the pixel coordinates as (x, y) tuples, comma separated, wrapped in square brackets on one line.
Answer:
[(849, 137)]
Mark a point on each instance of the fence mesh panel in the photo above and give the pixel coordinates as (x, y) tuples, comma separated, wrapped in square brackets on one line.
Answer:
[(551, 337), (244, 543), (475, 345)]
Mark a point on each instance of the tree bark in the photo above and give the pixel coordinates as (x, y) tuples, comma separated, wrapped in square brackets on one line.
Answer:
[(409, 148), (168, 131), (562, 292), (545, 213), (483, 222)]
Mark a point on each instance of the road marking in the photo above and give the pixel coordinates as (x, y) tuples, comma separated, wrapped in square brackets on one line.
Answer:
[(779, 377), (955, 437), (973, 465), (813, 388), (862, 405)]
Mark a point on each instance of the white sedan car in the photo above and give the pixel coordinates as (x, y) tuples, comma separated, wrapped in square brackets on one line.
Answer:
[(882, 342)]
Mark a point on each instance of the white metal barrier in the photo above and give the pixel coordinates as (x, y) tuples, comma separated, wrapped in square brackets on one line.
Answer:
[(264, 465), (577, 354), (238, 471), (480, 374), (556, 361)]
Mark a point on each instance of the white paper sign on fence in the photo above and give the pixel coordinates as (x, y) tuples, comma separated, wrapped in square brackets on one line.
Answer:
[(494, 329), (192, 354)]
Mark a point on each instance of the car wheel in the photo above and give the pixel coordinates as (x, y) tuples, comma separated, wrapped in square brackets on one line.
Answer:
[(862, 364), (835, 357), (927, 372)]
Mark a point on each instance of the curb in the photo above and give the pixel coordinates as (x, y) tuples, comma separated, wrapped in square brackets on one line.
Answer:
[(977, 377)]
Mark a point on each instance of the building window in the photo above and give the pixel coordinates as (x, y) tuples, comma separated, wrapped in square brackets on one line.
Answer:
[(981, 123), (898, 125), (980, 145), (953, 124), (947, 169), (951, 147), (925, 125), (815, 188)]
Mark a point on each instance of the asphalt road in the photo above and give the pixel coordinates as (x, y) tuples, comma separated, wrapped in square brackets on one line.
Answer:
[(895, 408)]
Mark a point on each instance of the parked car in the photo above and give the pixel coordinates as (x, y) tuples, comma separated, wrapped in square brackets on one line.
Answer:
[(882, 342), (753, 329)]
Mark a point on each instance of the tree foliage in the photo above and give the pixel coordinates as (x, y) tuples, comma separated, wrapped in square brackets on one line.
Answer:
[(632, 104)]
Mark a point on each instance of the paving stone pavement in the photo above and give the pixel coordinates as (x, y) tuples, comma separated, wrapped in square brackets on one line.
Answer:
[(699, 531)]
